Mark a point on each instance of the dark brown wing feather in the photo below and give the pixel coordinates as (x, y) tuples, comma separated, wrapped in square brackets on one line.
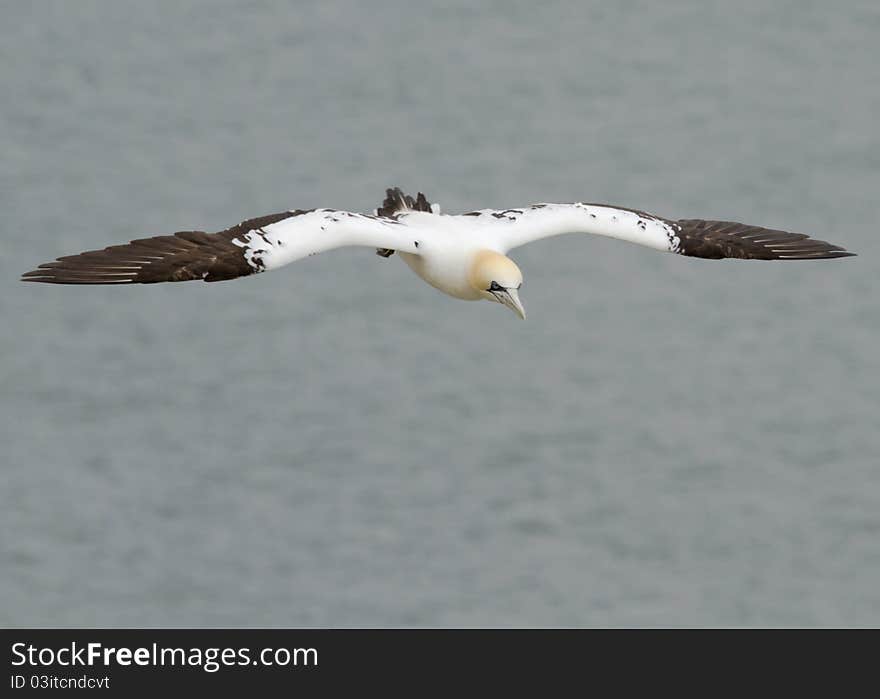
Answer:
[(183, 256), (719, 239)]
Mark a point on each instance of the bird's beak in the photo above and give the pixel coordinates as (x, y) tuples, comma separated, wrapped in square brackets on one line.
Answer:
[(510, 298)]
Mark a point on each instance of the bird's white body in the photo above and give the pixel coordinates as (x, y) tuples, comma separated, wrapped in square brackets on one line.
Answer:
[(445, 270), (446, 252)]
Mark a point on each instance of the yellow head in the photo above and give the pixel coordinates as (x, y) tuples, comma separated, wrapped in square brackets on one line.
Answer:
[(497, 278)]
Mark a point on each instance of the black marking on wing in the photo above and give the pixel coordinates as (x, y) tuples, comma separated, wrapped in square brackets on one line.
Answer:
[(395, 203), (716, 240), (183, 256), (638, 212)]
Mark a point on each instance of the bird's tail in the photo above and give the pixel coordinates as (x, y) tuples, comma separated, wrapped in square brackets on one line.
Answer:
[(396, 202)]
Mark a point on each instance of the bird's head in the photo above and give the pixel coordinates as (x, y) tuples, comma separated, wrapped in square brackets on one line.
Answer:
[(497, 278)]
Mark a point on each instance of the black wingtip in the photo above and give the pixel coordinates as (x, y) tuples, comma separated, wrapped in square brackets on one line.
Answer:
[(831, 254), (36, 275), (729, 239)]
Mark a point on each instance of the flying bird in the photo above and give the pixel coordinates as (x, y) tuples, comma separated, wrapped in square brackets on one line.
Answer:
[(464, 255)]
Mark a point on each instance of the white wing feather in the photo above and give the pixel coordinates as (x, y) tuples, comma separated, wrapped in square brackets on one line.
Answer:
[(514, 227), (320, 230)]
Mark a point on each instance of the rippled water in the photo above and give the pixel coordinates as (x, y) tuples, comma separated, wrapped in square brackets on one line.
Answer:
[(664, 442)]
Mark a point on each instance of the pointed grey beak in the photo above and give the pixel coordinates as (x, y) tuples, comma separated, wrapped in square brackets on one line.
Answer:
[(510, 298)]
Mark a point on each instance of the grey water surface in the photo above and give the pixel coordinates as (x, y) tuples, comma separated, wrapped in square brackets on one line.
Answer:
[(665, 441)]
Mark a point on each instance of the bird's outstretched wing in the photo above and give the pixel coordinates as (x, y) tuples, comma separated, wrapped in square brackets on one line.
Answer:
[(691, 237), (255, 245)]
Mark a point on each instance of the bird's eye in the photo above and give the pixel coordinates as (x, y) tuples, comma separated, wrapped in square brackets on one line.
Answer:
[(495, 286)]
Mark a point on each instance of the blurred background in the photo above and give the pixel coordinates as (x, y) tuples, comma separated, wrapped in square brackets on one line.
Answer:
[(665, 441)]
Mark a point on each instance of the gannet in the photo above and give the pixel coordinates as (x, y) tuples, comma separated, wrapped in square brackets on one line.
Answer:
[(464, 256)]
